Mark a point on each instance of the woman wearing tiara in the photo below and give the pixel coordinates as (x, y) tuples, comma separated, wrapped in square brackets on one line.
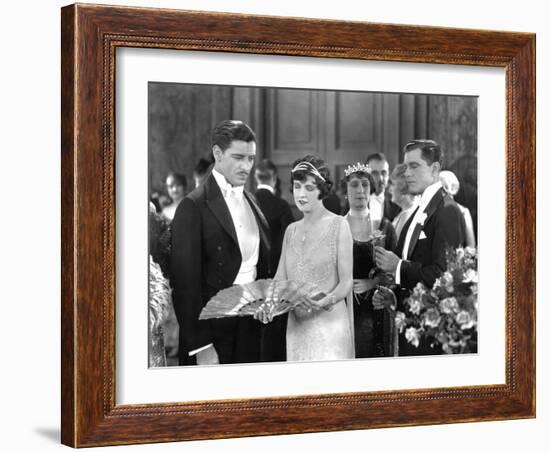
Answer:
[(318, 249), (373, 325)]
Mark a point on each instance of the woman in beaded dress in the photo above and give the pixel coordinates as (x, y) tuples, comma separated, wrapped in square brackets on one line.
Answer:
[(318, 249), (373, 325)]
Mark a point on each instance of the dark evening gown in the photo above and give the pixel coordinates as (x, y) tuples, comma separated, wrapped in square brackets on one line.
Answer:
[(374, 329)]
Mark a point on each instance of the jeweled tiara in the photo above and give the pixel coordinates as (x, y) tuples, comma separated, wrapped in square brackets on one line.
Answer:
[(358, 167)]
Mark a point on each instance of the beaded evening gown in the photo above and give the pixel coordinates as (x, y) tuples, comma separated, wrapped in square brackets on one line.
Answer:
[(322, 334)]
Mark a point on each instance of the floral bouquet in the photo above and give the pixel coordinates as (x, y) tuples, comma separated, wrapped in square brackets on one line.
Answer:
[(447, 312)]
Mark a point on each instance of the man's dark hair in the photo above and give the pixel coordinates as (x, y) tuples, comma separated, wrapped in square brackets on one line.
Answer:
[(431, 152), (376, 156), (266, 171), (231, 130), (202, 166), (179, 178)]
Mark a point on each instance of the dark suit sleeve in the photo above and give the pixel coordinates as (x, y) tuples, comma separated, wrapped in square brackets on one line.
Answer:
[(391, 237), (448, 230), (186, 269), (286, 218)]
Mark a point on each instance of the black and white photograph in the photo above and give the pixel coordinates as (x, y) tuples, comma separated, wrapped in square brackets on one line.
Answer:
[(292, 225)]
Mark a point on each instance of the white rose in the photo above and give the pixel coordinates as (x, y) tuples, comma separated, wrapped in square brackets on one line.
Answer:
[(400, 321), (448, 305), (413, 336), (470, 276), (415, 306), (432, 318), (419, 290), (447, 281), (465, 320), (470, 251)]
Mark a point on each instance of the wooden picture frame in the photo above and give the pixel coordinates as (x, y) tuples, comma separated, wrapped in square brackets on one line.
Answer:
[(90, 37)]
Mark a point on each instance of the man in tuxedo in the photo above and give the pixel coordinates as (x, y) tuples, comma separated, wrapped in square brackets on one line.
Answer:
[(380, 204), (219, 238), (279, 216), (436, 224)]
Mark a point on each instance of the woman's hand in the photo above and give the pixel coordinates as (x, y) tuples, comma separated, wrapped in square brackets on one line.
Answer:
[(264, 317), (323, 301), (383, 298), (305, 309), (310, 304), (363, 285)]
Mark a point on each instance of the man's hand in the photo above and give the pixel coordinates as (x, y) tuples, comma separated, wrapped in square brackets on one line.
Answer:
[(383, 298), (385, 260), (207, 356)]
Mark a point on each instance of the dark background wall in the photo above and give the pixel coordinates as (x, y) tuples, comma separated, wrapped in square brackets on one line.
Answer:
[(343, 127)]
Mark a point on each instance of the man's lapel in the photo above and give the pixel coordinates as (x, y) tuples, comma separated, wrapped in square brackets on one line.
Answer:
[(414, 239), (403, 235), (428, 211), (263, 226), (218, 206)]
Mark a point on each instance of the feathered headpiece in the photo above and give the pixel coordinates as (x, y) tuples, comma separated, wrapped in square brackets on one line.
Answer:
[(308, 168)]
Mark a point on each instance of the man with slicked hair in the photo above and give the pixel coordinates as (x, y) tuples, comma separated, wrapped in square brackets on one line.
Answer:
[(219, 238), (436, 225)]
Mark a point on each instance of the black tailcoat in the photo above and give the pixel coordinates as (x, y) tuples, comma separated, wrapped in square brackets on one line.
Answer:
[(205, 258)]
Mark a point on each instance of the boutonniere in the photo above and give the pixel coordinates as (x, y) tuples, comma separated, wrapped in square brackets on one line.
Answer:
[(422, 218)]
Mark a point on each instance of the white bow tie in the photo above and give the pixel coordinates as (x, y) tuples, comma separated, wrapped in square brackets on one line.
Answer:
[(379, 198), (233, 192)]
